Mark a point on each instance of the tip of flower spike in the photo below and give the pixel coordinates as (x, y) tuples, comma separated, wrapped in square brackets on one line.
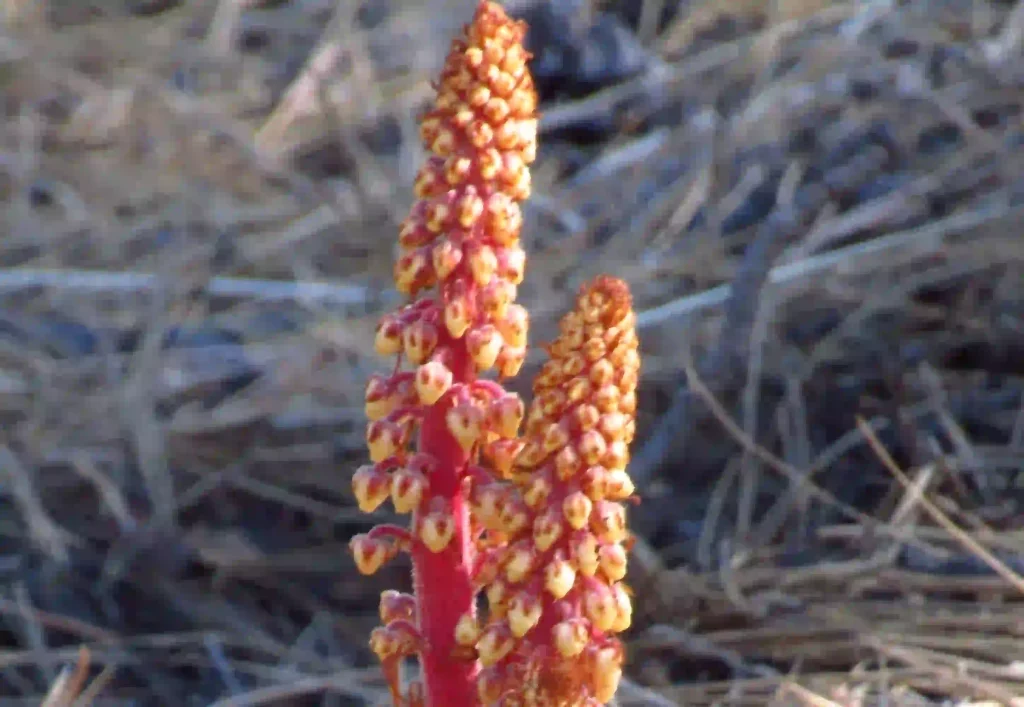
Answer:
[(462, 234)]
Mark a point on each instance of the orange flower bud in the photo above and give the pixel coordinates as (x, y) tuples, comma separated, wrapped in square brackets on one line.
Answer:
[(555, 438), (445, 257), (412, 233), (494, 298), (483, 263), (616, 456), (623, 609), (608, 522), (567, 463), (371, 487), (419, 341), (433, 380), (592, 447), (594, 483), (559, 577), (437, 529), (496, 643), (506, 414), (512, 264), (607, 674), (513, 326), (488, 500), (458, 315), (484, 344), (469, 208), (413, 272), (465, 421), (576, 507), (467, 630), (407, 490), (398, 639), (524, 613), (612, 560), (396, 606), (537, 491), (378, 399), (618, 485), (514, 517), (570, 637), (457, 169), (504, 219), (388, 340), (369, 554), (547, 529), (585, 554), (599, 605), (520, 563), (502, 454), (383, 438), (497, 597), (586, 417)]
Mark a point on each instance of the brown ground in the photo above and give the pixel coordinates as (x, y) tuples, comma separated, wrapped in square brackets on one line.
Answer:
[(198, 208)]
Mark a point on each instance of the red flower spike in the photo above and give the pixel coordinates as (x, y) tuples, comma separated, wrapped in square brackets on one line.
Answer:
[(462, 237)]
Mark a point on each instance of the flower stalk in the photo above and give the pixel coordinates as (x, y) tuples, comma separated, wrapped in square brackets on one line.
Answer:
[(534, 522)]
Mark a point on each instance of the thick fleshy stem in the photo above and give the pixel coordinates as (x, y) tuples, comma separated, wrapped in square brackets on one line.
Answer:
[(462, 237)]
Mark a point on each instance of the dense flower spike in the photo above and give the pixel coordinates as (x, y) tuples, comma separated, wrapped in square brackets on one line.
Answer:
[(557, 600), (461, 238)]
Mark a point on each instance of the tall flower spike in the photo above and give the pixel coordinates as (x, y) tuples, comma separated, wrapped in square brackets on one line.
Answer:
[(460, 240), (559, 601)]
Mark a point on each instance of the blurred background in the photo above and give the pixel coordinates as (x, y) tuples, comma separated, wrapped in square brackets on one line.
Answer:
[(816, 203)]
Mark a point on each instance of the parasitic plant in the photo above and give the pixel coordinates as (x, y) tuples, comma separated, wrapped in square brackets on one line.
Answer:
[(553, 579), (535, 522)]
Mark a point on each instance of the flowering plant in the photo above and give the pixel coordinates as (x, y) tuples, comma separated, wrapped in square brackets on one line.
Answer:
[(532, 521)]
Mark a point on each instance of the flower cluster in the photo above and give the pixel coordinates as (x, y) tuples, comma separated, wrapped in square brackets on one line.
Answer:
[(534, 522), (461, 262), (553, 582)]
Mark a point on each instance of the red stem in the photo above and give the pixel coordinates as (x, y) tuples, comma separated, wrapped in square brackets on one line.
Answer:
[(443, 584)]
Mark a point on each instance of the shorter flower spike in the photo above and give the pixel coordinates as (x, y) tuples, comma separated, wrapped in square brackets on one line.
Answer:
[(557, 604)]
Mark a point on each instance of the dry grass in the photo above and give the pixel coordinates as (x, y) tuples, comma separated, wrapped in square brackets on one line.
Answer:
[(816, 203)]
